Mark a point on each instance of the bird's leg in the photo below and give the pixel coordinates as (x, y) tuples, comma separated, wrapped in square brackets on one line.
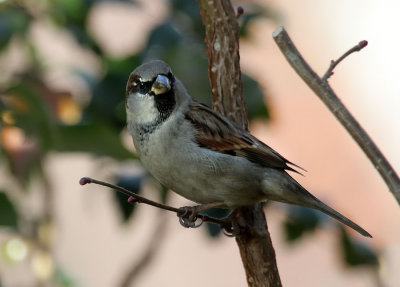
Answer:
[(231, 227), (188, 214)]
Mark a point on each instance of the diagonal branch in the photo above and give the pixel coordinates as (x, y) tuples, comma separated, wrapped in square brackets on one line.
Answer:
[(323, 90)]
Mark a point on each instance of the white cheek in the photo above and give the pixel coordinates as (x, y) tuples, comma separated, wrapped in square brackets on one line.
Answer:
[(141, 108)]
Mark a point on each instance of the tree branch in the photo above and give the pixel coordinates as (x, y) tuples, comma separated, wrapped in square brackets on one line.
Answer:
[(356, 48), (322, 89), (135, 198), (222, 39)]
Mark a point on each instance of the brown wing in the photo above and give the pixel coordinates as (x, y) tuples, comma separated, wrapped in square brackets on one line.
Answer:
[(219, 134)]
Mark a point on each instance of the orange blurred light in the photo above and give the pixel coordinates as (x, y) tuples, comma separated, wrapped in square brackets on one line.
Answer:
[(68, 111)]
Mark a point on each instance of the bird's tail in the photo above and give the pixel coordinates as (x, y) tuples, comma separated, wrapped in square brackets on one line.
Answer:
[(315, 203), (282, 187)]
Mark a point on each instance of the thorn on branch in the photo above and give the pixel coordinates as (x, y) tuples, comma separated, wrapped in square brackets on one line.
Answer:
[(356, 48)]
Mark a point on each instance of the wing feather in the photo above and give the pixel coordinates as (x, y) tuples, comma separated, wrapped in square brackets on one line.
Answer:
[(215, 132)]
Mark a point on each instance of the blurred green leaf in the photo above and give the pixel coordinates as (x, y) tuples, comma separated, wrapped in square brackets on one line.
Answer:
[(356, 252), (70, 12), (98, 138), (245, 21), (164, 37), (179, 46), (301, 220), (84, 38), (254, 11), (108, 102), (133, 184), (13, 20), (213, 229), (121, 67), (72, 15), (8, 213), (74, 10), (191, 12), (33, 112), (63, 279), (254, 98)]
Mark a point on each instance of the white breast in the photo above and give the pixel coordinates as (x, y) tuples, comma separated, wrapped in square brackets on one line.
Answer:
[(141, 109)]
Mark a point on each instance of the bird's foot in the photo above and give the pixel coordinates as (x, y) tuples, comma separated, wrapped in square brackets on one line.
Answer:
[(230, 226), (188, 216)]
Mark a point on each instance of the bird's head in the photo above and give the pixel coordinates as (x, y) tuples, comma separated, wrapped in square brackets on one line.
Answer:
[(153, 92)]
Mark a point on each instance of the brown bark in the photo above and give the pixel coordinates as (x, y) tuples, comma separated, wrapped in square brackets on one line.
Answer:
[(222, 38)]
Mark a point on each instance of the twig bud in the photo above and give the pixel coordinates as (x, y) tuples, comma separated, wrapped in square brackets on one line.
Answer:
[(132, 199), (85, 180), (362, 44), (239, 11)]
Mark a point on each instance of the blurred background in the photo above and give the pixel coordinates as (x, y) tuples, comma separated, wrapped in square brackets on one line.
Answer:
[(63, 70)]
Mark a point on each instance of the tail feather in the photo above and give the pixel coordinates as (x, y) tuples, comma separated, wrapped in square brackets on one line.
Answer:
[(282, 187), (319, 205)]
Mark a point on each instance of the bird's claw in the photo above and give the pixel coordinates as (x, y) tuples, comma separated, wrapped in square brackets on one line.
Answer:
[(188, 217), (231, 228)]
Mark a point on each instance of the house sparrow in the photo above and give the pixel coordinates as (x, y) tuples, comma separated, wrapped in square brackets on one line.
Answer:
[(201, 154)]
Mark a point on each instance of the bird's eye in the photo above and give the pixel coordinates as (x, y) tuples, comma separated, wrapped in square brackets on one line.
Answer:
[(139, 84)]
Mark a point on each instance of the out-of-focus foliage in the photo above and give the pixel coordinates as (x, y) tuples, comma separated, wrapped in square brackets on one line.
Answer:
[(356, 252), (301, 220), (132, 183), (51, 120), (36, 118), (213, 229), (254, 11), (14, 21), (9, 216)]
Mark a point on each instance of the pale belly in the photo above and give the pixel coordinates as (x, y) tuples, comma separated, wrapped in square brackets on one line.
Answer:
[(207, 177), (199, 174)]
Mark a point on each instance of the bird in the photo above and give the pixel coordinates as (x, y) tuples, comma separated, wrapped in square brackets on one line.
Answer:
[(202, 155)]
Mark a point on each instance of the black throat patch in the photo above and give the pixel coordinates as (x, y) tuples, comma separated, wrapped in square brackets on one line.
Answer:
[(165, 105)]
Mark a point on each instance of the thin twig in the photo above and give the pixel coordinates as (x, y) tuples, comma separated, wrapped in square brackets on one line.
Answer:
[(135, 198), (322, 89), (356, 48)]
